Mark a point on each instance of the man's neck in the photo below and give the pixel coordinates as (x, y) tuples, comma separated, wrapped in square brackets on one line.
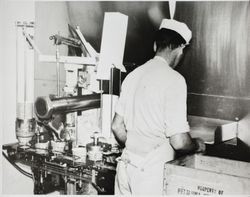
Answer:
[(164, 56)]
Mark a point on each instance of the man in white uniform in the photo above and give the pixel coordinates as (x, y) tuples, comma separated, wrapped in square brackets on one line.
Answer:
[(150, 117)]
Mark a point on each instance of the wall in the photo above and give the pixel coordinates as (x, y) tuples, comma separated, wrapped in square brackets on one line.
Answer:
[(216, 65), (1, 83), (217, 61), (13, 182), (51, 18), (144, 19)]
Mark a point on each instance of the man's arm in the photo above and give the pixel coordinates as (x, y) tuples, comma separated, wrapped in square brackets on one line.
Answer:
[(119, 129), (183, 143), (176, 120)]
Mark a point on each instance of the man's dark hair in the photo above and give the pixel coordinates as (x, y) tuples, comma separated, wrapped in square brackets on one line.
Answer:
[(168, 38)]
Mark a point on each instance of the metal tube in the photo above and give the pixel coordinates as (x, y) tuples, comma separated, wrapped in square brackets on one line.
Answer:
[(25, 124), (57, 71), (45, 106)]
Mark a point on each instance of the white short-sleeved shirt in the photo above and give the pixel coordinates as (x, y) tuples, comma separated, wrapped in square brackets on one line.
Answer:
[(153, 105)]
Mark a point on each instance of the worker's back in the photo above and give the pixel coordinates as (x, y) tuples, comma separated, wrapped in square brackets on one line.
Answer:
[(150, 91)]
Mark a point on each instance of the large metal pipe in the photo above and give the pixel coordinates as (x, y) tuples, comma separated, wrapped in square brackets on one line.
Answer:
[(45, 106)]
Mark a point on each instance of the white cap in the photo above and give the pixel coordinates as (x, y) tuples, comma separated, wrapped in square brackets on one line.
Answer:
[(180, 28)]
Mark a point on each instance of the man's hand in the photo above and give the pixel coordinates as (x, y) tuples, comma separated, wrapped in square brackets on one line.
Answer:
[(200, 145), (184, 144)]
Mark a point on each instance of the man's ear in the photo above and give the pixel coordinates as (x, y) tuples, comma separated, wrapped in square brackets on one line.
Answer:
[(154, 46)]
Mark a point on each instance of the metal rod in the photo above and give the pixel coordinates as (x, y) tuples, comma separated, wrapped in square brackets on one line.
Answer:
[(101, 111), (111, 92), (76, 128), (25, 73), (45, 106), (17, 65), (58, 70)]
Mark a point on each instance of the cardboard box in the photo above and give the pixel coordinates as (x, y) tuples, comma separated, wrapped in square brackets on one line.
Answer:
[(204, 175)]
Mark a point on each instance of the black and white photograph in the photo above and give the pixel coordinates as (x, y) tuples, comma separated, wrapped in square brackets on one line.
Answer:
[(125, 97)]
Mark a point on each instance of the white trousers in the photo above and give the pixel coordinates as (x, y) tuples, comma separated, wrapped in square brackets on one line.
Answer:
[(142, 175)]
